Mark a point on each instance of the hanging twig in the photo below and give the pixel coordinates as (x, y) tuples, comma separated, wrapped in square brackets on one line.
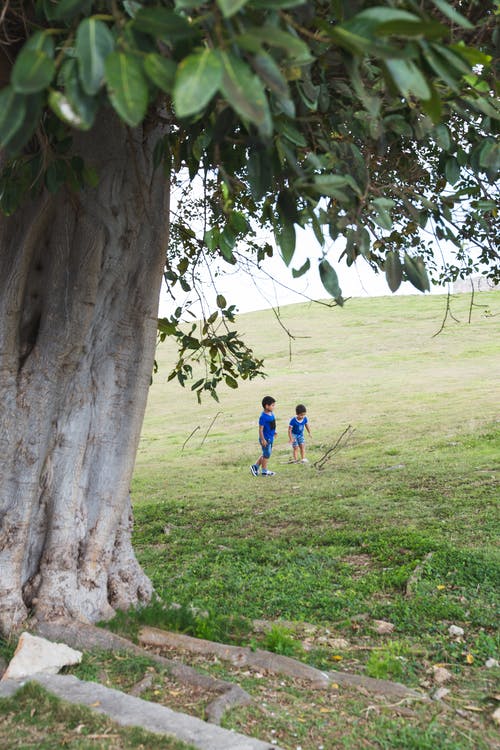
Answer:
[(347, 434), (447, 313), (209, 428), (189, 437)]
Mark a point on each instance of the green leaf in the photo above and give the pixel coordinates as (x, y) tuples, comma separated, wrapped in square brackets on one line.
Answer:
[(415, 28), (452, 170), (442, 137), (227, 241), (163, 24), (450, 12), (269, 71), (452, 58), (238, 223), (295, 48), (32, 108), (67, 9), (245, 93), (221, 301), (83, 105), (393, 270), (161, 71), (197, 79), (42, 42), (259, 170), (63, 108), (286, 129), (416, 273), (366, 21), (330, 280), (230, 7), (32, 72), (211, 238), (408, 79), (86, 106), (440, 67), (285, 238), (296, 273), (276, 4), (231, 382), (94, 42), (12, 112), (382, 216), (127, 87), (334, 185)]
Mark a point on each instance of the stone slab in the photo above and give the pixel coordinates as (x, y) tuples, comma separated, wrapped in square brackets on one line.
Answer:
[(131, 711)]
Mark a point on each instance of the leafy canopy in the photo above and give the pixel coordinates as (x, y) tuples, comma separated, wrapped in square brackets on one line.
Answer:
[(373, 123)]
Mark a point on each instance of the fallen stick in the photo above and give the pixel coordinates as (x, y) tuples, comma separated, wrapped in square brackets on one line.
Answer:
[(349, 430)]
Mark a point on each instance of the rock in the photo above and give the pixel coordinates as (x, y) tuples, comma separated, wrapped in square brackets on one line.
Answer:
[(382, 627), (456, 630), (440, 693), (496, 715), (338, 644), (441, 675), (490, 663), (36, 655)]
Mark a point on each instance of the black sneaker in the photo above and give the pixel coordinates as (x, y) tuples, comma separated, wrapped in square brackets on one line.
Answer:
[(255, 470)]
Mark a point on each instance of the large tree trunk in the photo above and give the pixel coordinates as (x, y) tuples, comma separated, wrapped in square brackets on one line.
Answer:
[(80, 275)]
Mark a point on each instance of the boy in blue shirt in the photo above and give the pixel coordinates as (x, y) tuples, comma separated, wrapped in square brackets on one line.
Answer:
[(296, 433), (267, 433)]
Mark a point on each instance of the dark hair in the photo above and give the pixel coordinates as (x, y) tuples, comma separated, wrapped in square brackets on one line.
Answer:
[(300, 409), (267, 401)]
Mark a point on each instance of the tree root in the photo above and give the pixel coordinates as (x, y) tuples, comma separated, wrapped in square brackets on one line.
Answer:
[(270, 662), (239, 656), (88, 637), (379, 687)]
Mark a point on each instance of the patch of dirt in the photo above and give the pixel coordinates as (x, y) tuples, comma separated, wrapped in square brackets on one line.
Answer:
[(360, 564)]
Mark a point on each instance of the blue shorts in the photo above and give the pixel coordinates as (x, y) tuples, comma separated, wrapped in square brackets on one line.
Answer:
[(267, 450), (297, 440)]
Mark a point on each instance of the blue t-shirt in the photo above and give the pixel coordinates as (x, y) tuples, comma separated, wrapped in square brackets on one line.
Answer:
[(268, 422), (298, 426)]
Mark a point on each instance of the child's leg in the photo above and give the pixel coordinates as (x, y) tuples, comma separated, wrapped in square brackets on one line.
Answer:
[(302, 447)]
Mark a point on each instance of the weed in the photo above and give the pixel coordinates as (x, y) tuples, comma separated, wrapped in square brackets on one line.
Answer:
[(281, 641)]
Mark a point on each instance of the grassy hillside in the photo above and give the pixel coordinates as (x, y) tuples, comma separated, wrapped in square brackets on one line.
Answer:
[(424, 408)]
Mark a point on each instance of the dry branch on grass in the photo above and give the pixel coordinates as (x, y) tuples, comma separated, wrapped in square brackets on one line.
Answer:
[(341, 442)]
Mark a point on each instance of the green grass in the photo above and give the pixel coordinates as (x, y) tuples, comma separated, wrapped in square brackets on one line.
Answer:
[(35, 719)]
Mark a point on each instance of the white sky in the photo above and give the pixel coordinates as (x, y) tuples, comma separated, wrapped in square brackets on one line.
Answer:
[(274, 284)]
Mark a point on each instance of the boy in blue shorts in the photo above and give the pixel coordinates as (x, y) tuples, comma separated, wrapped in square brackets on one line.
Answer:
[(267, 433), (296, 433)]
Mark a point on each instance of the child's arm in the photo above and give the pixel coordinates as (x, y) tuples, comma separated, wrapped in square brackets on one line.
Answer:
[(261, 435), (307, 428), (290, 439)]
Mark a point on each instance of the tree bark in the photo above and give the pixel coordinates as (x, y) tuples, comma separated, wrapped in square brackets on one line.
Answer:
[(80, 275)]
